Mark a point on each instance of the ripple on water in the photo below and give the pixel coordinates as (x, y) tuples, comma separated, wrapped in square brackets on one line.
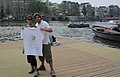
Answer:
[(61, 30)]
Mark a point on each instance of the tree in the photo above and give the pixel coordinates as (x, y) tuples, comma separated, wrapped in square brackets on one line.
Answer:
[(84, 11), (45, 8), (52, 10), (17, 9), (63, 7), (2, 12), (37, 6)]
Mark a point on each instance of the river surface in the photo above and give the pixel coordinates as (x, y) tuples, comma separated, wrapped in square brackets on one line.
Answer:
[(61, 30)]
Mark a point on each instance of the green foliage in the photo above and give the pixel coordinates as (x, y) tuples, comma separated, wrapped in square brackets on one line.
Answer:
[(37, 6), (63, 7), (17, 7), (52, 10)]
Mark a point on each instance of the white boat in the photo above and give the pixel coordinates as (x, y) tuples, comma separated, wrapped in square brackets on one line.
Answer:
[(116, 22)]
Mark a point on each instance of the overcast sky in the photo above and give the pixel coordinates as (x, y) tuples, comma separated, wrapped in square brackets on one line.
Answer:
[(93, 2)]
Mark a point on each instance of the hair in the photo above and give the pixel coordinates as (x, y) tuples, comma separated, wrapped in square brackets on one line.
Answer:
[(36, 14), (29, 16)]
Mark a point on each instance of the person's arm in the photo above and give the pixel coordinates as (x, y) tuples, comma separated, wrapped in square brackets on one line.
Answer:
[(46, 30), (21, 33)]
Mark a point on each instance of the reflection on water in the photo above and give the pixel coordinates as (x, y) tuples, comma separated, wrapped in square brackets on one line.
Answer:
[(113, 44), (61, 30)]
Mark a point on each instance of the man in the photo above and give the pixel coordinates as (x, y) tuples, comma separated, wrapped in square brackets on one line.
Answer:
[(46, 29)]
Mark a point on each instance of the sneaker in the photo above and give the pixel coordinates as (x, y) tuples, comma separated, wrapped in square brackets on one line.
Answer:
[(53, 73), (31, 71), (36, 73), (42, 67)]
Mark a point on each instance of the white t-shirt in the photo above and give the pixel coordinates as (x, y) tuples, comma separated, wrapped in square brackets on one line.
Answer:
[(44, 25), (32, 41)]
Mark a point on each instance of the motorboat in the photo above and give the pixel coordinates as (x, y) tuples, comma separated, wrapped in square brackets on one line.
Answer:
[(77, 25), (107, 33), (116, 22)]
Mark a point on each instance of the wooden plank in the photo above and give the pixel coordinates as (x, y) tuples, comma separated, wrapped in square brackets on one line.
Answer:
[(68, 62)]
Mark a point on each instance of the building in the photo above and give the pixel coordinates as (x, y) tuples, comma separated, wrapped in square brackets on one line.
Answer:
[(114, 11), (70, 8), (14, 8), (5, 6), (101, 12), (86, 11), (19, 9)]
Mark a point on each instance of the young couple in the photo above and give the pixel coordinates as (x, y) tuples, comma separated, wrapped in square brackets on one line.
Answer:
[(44, 27)]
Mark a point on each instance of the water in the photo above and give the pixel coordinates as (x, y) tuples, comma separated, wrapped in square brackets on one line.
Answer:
[(86, 34), (61, 30), (9, 33)]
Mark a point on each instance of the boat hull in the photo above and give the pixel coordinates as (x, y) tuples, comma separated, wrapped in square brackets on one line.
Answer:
[(107, 35), (78, 25)]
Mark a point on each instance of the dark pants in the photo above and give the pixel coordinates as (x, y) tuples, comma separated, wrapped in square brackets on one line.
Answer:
[(46, 53), (32, 60)]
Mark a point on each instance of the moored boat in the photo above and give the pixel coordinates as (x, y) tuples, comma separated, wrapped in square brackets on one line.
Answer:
[(77, 25), (106, 33), (116, 22)]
